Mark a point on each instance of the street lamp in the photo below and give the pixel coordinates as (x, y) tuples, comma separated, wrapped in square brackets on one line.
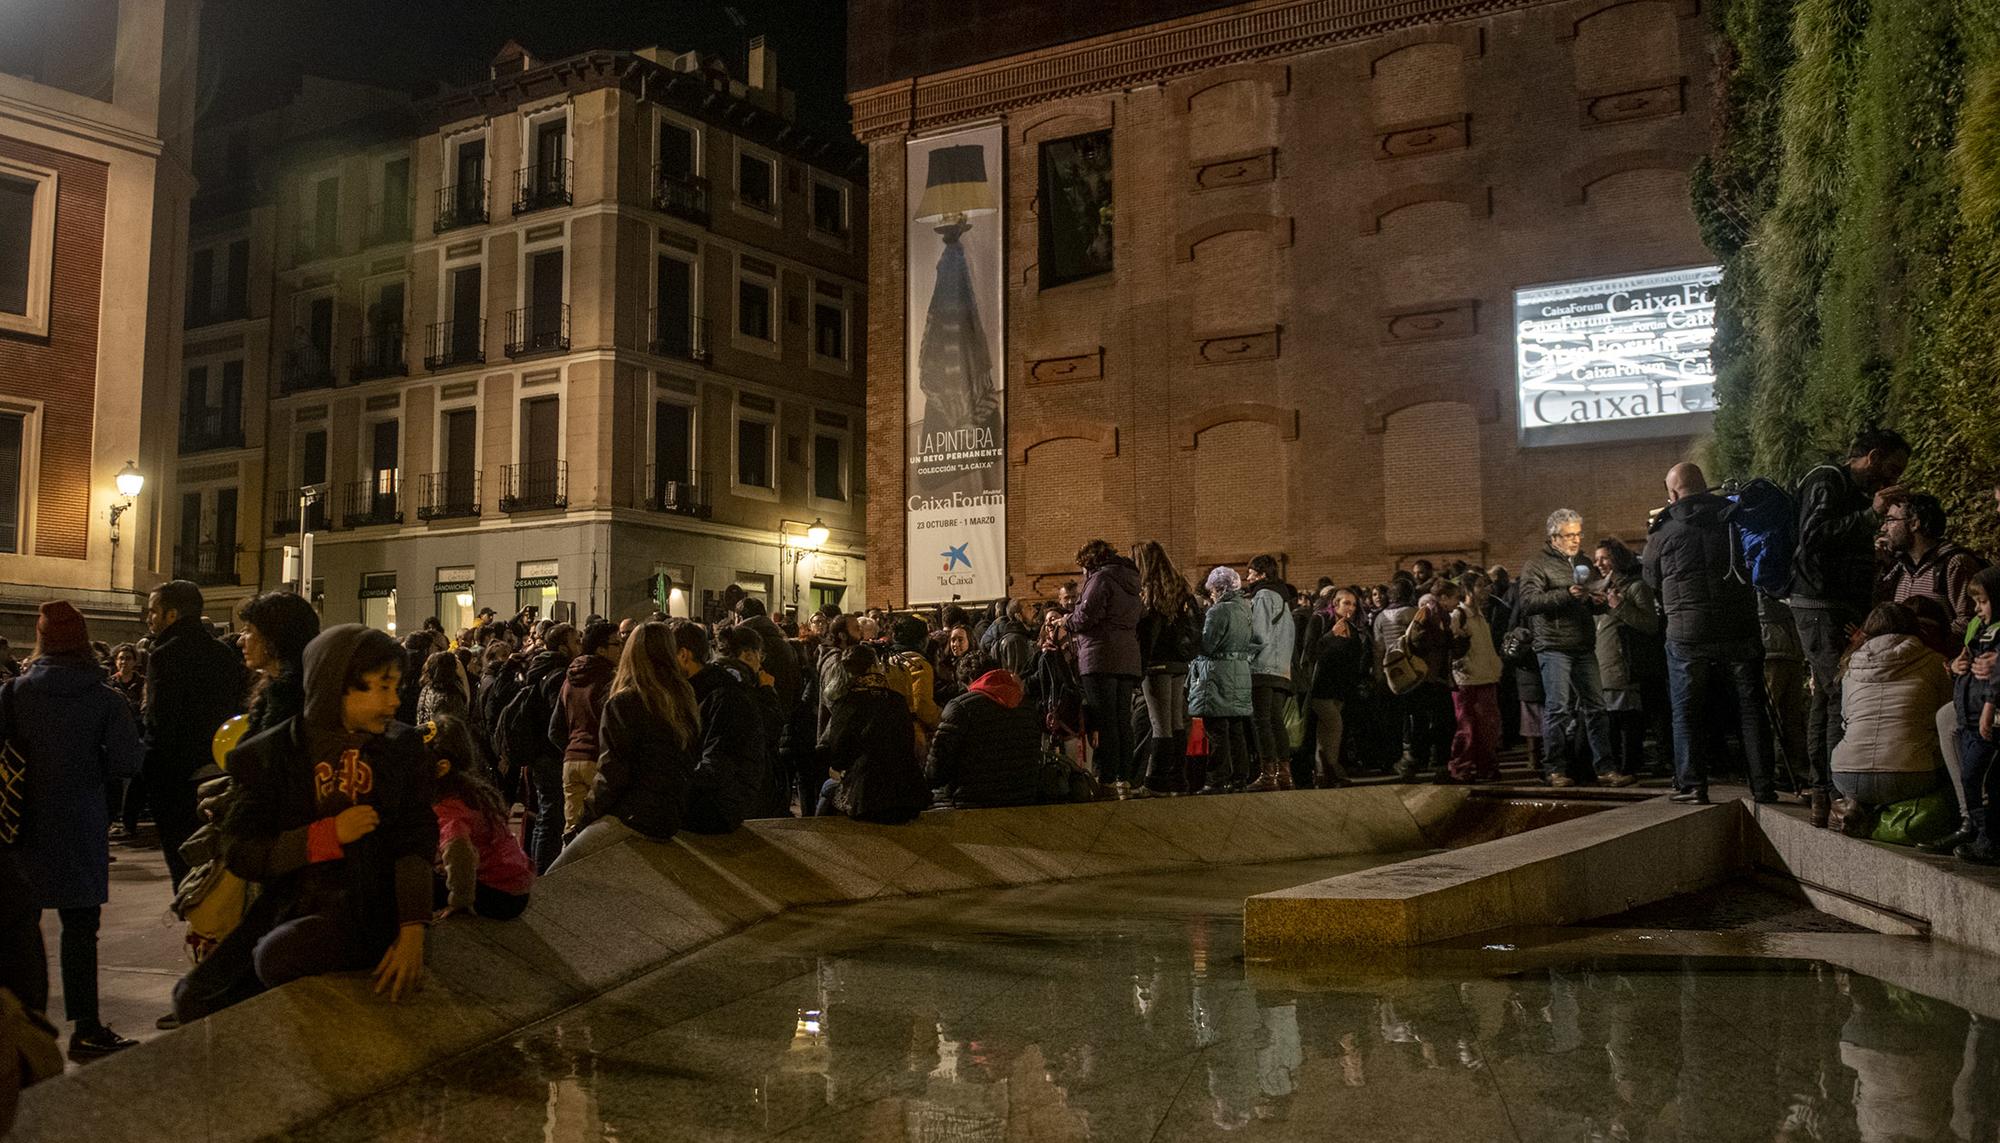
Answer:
[(815, 537), (130, 481)]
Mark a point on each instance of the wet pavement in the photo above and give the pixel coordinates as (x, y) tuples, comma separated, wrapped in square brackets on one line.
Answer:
[(1122, 1009)]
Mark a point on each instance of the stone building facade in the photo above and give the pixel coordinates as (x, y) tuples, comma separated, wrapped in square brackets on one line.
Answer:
[(96, 118), (583, 334), (1305, 343)]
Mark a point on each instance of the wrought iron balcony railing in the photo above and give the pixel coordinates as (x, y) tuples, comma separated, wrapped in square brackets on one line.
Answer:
[(534, 486)]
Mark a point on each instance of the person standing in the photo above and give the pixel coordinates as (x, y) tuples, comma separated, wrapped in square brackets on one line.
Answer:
[(1712, 634), (1476, 678), (194, 682), (778, 659), (578, 709), (78, 736), (1562, 615), (1105, 622), (1169, 637), (732, 779), (1219, 682), (1629, 658), (1833, 578), (1271, 672), (522, 731)]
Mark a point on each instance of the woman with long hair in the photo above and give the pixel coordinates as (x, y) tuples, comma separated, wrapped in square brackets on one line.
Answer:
[(277, 625), (445, 693), (1169, 638), (648, 741), (1105, 623)]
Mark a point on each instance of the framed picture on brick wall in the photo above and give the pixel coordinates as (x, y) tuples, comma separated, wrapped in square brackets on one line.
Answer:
[(1075, 208)]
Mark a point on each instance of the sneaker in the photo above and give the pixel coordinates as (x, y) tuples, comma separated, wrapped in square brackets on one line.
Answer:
[(1621, 780), (1140, 791), (96, 1043), (1561, 781)]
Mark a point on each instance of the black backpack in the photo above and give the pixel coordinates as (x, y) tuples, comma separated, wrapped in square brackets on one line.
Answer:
[(523, 731)]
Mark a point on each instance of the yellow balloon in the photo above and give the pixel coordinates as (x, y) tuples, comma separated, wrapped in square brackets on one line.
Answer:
[(227, 736)]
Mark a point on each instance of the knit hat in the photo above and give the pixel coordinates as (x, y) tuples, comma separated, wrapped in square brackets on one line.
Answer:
[(61, 629)]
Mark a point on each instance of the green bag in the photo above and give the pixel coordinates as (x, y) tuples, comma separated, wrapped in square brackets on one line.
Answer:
[(1918, 820), (1295, 721)]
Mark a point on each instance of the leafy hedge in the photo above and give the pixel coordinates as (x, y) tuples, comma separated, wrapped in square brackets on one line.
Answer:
[(1853, 196)]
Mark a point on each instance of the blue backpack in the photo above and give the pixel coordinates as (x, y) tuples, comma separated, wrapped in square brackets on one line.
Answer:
[(1763, 537)]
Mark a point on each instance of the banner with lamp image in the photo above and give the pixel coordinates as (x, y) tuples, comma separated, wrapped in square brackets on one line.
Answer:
[(955, 436)]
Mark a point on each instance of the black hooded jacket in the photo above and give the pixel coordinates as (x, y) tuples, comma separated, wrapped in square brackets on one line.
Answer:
[(1688, 565), (739, 729)]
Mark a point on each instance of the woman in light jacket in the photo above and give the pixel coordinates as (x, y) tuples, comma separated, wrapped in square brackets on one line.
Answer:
[(1891, 688), (1219, 682)]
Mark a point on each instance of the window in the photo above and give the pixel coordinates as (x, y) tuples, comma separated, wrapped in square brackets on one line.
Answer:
[(456, 599), (539, 480), (13, 481), (830, 323), (829, 208), (674, 330), (677, 151), (1076, 208), (27, 247), (378, 601), (317, 237), (829, 466), (756, 181), (392, 213), (212, 413), (753, 304), (535, 585), (673, 444), (460, 456), (753, 452)]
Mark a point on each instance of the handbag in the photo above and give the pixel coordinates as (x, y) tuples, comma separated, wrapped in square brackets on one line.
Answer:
[(1402, 668), (1517, 647), (1916, 821), (13, 774), (1197, 743)]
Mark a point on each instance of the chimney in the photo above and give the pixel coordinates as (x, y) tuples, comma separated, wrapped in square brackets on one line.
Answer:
[(763, 67)]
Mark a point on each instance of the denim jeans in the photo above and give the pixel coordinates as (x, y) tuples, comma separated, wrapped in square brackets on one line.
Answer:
[(1975, 758), (1823, 636), (1693, 671), (1572, 692), (1107, 711)]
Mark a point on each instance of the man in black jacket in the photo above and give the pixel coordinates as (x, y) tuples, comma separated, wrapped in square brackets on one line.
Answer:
[(987, 749), (522, 731), (1711, 631), (732, 779), (778, 660), (194, 682), (1563, 616), (1833, 578)]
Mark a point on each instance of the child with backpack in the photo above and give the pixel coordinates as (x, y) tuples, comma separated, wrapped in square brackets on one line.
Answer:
[(482, 869)]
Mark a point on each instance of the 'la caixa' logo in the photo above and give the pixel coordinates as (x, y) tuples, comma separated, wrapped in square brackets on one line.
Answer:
[(956, 557)]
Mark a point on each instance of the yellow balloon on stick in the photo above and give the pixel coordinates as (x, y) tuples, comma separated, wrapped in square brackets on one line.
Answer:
[(227, 736)]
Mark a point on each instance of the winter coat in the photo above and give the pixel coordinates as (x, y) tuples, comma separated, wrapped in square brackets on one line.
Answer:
[(1342, 665), (732, 780), (1560, 621), (283, 696), (987, 749), (1945, 574), (1688, 559), (378, 881), (1219, 677), (1105, 620), (779, 661), (1628, 638), (1478, 664), (1835, 565), (871, 741), (1890, 692), (833, 677), (194, 682), (1167, 643), (1009, 644), (580, 707), (643, 772), (1277, 634), (433, 704), (77, 734)]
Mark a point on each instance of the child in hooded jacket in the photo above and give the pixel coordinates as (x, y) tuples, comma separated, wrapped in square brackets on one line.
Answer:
[(482, 869)]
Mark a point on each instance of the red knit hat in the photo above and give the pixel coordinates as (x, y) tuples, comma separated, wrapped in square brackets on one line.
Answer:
[(61, 629)]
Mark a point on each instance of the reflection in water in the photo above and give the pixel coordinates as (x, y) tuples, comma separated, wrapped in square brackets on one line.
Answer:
[(1144, 1025)]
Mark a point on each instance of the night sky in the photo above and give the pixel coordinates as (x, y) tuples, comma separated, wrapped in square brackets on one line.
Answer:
[(253, 51)]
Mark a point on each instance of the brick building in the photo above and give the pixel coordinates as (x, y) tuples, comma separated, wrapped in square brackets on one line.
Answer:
[(1304, 343), (579, 332), (96, 115)]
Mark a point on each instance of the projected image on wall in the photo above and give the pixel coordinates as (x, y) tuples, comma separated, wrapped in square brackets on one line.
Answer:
[(1616, 358)]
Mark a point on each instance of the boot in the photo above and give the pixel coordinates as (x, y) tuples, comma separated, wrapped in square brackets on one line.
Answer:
[(1964, 834), (1822, 807), (1285, 781), (1267, 777), (1980, 850)]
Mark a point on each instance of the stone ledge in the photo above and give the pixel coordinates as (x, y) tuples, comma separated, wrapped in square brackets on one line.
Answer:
[(300, 1052)]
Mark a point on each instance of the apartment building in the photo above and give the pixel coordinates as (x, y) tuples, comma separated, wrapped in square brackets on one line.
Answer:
[(581, 334), (96, 115)]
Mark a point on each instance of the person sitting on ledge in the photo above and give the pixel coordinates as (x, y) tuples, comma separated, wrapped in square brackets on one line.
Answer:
[(333, 819), (1891, 688), (870, 745), (988, 745)]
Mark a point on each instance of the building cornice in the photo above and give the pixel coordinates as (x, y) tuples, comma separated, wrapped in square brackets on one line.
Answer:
[(97, 131), (1145, 55)]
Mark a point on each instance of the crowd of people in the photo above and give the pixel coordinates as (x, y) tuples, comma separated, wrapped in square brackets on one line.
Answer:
[(363, 787)]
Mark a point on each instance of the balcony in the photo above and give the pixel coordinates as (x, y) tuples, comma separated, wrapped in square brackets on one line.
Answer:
[(683, 196), (537, 329), (210, 565), (285, 513), (448, 496), (541, 485), (366, 503), (205, 428), (542, 186), (379, 355), (388, 222), (307, 367), (678, 491), (314, 240), (675, 334), (456, 343), (462, 204)]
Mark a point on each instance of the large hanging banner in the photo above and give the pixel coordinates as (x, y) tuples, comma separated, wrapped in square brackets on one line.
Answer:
[(955, 438)]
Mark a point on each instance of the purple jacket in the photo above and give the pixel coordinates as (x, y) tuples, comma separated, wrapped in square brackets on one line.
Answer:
[(1106, 620)]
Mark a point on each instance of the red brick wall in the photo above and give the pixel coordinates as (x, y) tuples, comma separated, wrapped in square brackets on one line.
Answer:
[(1366, 213), (60, 370)]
